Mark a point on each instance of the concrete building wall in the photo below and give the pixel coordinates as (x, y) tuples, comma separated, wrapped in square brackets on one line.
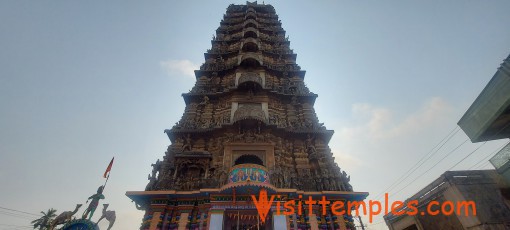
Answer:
[(490, 203), (437, 221), (407, 222), (466, 218), (486, 188)]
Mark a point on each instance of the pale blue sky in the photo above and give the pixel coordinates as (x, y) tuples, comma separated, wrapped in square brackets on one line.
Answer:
[(82, 81)]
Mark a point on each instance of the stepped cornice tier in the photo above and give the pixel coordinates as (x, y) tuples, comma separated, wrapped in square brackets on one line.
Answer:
[(175, 132), (249, 125), (250, 95), (190, 97), (267, 39), (209, 67)]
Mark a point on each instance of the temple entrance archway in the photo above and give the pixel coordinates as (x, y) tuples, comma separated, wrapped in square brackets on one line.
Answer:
[(246, 219), (249, 159)]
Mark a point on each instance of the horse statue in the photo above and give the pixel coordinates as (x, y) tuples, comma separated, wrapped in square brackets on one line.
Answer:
[(108, 215)]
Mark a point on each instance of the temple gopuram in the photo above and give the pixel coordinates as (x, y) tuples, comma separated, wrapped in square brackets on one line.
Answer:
[(248, 128)]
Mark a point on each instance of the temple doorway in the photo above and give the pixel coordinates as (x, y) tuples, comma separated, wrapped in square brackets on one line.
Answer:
[(246, 220)]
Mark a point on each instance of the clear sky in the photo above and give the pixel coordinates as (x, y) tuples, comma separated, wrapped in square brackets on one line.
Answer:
[(82, 81)]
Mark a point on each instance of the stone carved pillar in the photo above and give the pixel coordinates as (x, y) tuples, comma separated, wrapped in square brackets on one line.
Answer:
[(216, 219), (203, 208), (165, 218), (294, 221), (183, 221), (201, 222), (155, 220), (313, 222), (341, 223), (279, 221), (185, 211)]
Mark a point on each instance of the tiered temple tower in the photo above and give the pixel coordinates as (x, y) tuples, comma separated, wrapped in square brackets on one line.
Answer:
[(249, 124)]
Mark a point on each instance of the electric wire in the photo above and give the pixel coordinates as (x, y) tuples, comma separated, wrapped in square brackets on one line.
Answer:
[(418, 164), (483, 160), (467, 156), (14, 210), (16, 226), (16, 215), (448, 154), (495, 134), (376, 223), (483, 165)]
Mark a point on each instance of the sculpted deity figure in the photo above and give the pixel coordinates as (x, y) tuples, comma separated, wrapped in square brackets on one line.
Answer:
[(310, 147), (187, 143), (325, 173), (94, 203), (206, 123), (193, 106), (332, 184), (318, 183), (289, 146), (211, 146), (286, 177), (239, 137), (156, 167), (223, 177), (279, 144), (249, 136), (345, 177), (268, 137), (226, 119), (205, 101), (295, 183), (294, 101), (250, 94), (273, 174), (151, 184), (259, 137), (178, 141)]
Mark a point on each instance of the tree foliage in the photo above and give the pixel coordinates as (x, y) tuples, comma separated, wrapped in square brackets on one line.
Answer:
[(43, 222)]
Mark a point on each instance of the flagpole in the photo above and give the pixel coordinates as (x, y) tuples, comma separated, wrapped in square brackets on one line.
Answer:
[(109, 171), (106, 181)]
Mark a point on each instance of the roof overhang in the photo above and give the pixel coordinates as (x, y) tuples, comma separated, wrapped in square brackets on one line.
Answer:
[(146, 196), (488, 118)]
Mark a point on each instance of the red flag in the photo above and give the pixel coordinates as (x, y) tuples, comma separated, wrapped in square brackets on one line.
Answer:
[(109, 168)]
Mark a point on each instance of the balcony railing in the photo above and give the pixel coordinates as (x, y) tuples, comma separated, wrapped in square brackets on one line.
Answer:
[(501, 158)]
